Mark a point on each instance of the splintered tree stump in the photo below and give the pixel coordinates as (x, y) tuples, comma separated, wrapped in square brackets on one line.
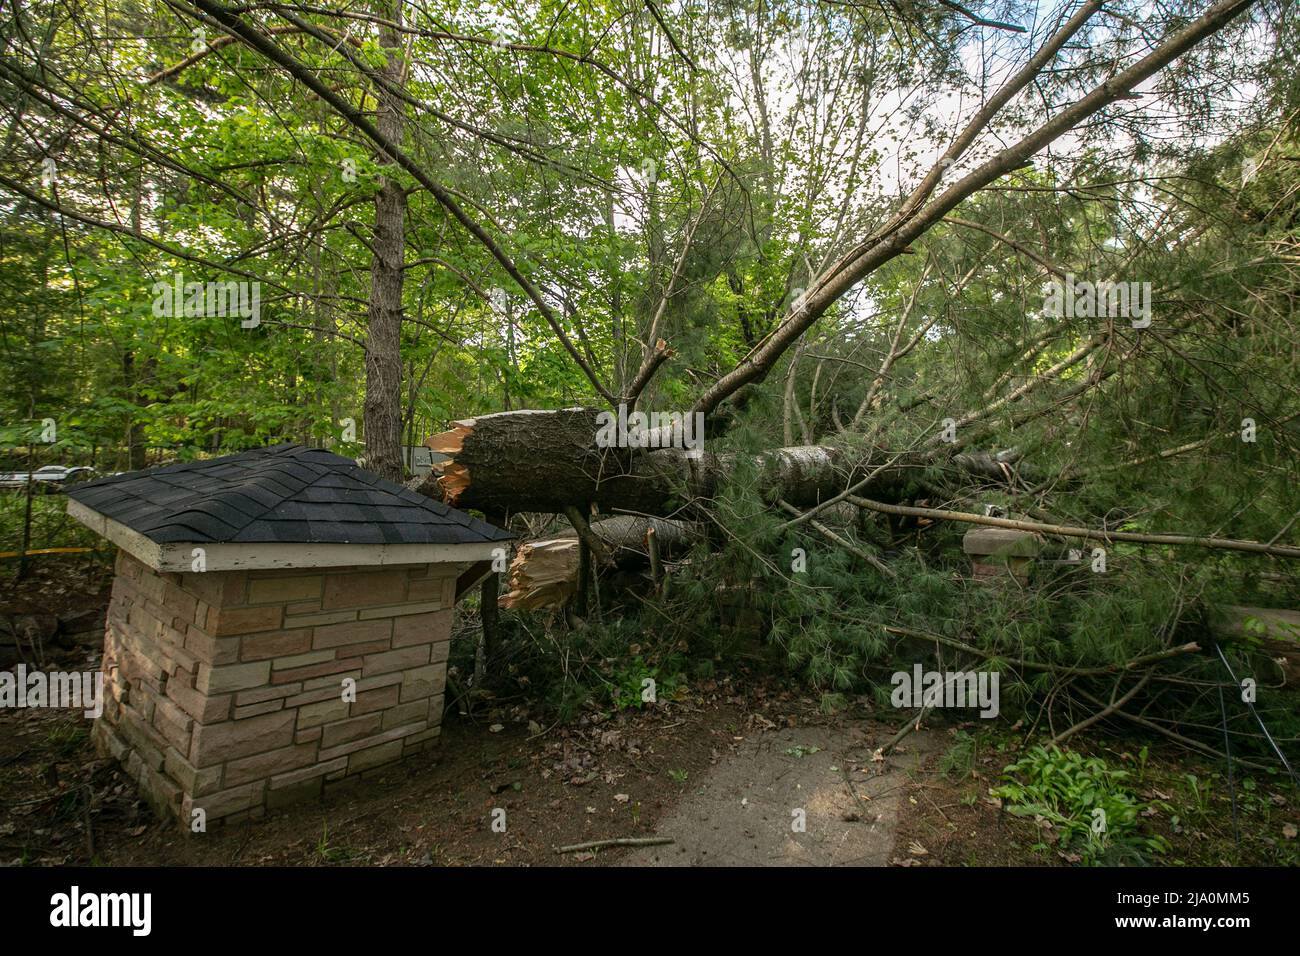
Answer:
[(451, 478), (542, 574), (545, 573)]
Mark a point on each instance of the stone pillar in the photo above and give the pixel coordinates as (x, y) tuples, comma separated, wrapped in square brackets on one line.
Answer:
[(225, 691), (1000, 552)]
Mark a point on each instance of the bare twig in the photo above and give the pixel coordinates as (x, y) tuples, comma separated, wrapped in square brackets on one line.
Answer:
[(1101, 714), (618, 841)]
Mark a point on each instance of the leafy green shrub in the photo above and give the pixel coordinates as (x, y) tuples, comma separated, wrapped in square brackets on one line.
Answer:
[(628, 686), (1068, 789), (51, 525)]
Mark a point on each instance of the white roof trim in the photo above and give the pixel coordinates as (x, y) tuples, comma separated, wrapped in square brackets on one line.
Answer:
[(248, 557)]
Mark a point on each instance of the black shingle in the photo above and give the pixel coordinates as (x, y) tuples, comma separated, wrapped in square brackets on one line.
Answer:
[(329, 494), (212, 529), (411, 534), (286, 493), (225, 513), (355, 532), (289, 511), (175, 534), (269, 530)]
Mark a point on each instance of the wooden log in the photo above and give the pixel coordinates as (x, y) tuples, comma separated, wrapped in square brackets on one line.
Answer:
[(1276, 631), (549, 460), (624, 536)]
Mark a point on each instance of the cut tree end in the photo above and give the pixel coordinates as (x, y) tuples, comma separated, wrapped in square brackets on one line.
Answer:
[(453, 478)]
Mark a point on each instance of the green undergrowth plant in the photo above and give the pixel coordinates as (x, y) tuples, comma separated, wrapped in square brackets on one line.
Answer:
[(960, 757), (1091, 805), (635, 683)]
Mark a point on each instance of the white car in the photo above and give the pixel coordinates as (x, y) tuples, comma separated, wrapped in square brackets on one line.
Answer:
[(49, 475)]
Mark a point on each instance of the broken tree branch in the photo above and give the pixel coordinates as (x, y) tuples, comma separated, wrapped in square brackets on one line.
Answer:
[(1189, 648), (844, 543), (1101, 714), (593, 543), (1069, 531)]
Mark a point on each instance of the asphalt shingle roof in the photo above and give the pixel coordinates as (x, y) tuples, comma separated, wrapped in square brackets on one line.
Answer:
[(285, 493)]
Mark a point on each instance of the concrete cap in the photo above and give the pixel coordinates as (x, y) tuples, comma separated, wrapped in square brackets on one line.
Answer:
[(1002, 542)]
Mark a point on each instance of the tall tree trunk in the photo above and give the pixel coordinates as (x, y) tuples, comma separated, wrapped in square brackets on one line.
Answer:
[(383, 405), (136, 451)]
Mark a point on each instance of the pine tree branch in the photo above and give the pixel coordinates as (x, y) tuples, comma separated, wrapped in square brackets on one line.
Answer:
[(1070, 531)]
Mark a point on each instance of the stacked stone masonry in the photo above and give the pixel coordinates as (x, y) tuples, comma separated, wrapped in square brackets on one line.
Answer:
[(225, 690)]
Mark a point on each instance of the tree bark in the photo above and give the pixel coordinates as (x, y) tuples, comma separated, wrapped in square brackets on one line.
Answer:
[(383, 403), (549, 461), (136, 379)]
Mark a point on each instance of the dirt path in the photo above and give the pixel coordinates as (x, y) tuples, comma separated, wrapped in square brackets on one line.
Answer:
[(748, 808), (719, 770)]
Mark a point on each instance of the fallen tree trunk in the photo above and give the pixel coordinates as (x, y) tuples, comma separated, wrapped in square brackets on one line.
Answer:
[(549, 460), (1275, 631)]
